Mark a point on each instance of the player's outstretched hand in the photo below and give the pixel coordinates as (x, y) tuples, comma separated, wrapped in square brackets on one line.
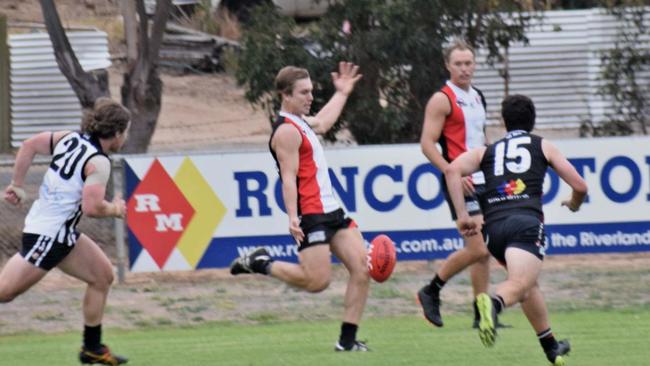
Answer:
[(346, 78)]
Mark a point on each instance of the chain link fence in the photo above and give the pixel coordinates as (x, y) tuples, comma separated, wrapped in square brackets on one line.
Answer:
[(12, 218)]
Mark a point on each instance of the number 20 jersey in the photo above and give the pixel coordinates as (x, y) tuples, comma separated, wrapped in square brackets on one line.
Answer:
[(57, 210), (514, 169)]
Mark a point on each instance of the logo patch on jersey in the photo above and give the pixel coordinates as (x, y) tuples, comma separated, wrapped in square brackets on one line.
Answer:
[(165, 214), (512, 187)]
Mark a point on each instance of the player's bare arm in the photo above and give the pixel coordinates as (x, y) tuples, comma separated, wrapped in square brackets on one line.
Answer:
[(466, 164), (435, 113), (568, 173), (40, 144), (93, 204), (344, 81), (286, 143)]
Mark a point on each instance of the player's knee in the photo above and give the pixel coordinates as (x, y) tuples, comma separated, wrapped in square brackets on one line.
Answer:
[(360, 272), (110, 278), (7, 295), (315, 285), (519, 288), (103, 280), (480, 255), (484, 256)]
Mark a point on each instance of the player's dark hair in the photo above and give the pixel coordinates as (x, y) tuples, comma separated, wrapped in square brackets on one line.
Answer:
[(106, 119), (287, 77), (518, 112)]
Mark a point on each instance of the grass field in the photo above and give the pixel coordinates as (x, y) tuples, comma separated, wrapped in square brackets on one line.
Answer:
[(598, 338)]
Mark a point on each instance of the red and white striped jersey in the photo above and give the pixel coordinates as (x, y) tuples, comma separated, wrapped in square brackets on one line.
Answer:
[(464, 127), (315, 193)]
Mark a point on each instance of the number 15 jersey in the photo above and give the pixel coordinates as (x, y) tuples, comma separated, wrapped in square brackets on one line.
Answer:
[(57, 210), (514, 169)]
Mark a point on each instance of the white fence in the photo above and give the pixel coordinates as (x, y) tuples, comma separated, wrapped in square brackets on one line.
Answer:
[(41, 97), (560, 68)]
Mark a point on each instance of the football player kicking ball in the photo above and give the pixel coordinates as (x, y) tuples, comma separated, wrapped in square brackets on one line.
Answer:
[(316, 220), (514, 169)]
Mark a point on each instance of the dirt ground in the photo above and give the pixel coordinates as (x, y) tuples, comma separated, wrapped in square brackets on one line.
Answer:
[(203, 112), (192, 298)]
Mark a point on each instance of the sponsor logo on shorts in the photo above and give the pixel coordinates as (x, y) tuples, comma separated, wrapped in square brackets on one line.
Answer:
[(316, 236), (472, 206)]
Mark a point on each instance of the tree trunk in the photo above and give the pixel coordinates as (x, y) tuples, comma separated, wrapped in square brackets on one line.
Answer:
[(142, 88), (87, 86), (128, 10)]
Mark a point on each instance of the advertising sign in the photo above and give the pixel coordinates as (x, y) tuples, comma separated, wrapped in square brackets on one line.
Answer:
[(202, 211)]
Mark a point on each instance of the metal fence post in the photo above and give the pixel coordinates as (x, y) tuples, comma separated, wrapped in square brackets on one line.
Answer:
[(5, 126), (120, 243)]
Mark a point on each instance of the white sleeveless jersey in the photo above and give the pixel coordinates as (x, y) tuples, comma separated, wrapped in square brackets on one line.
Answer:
[(315, 193), (57, 210), (464, 126)]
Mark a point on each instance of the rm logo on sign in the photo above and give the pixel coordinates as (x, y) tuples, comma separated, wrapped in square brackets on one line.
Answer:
[(158, 213)]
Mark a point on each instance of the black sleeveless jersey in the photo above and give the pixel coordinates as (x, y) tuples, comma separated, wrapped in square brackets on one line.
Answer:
[(514, 169)]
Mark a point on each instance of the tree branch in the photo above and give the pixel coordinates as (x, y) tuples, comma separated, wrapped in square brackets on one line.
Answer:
[(85, 85)]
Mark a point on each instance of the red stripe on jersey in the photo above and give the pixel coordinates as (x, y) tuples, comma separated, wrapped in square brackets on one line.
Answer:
[(309, 199), (454, 128)]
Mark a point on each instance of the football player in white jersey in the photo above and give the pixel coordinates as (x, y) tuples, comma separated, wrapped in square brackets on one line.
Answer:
[(74, 184), (316, 220), (455, 118)]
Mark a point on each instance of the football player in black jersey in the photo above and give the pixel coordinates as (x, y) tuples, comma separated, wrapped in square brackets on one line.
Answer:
[(514, 169)]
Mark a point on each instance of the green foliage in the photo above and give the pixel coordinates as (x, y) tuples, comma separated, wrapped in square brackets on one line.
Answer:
[(398, 45), (622, 67)]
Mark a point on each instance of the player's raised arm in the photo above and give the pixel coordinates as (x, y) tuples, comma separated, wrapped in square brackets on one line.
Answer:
[(344, 81)]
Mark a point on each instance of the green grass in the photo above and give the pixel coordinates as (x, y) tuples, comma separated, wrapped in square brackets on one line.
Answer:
[(598, 338)]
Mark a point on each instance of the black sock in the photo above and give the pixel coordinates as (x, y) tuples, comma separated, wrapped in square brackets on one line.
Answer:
[(498, 303), (476, 313), (262, 266), (348, 334), (92, 337), (547, 340), (267, 268), (435, 286)]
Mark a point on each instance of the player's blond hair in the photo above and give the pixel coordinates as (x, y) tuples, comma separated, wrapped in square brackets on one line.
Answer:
[(457, 44)]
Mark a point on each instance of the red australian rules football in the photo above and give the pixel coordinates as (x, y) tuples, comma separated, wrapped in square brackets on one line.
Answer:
[(381, 258)]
